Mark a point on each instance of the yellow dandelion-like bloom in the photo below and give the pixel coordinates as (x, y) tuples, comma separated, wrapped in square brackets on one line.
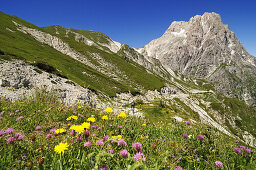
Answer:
[(120, 107), (109, 110), (118, 137), (91, 119), (61, 147), (86, 125), (72, 117), (122, 115), (79, 107), (59, 131), (144, 124), (104, 117), (79, 129)]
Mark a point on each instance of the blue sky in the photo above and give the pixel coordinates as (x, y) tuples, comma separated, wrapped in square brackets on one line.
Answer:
[(132, 22)]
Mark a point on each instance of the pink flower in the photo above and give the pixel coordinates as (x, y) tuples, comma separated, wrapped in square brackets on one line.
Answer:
[(124, 153), (237, 141), (72, 132), (187, 122), (219, 164), (10, 140), (237, 150), (139, 156), (99, 142), (248, 151), (17, 111), (21, 137), (48, 136), (53, 130), (105, 138), (89, 143), (2, 132), (1, 117), (104, 167), (242, 147), (9, 130), (38, 127), (121, 142), (79, 138), (93, 135), (19, 118), (137, 146), (111, 151), (120, 127), (178, 168), (185, 135), (17, 135), (200, 137)]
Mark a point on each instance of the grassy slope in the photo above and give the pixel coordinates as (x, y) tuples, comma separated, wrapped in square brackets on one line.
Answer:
[(25, 47), (163, 144)]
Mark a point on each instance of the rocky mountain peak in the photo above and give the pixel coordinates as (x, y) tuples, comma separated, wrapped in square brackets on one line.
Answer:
[(205, 48)]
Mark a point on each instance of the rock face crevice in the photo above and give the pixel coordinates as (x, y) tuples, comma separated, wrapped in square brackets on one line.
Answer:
[(205, 48)]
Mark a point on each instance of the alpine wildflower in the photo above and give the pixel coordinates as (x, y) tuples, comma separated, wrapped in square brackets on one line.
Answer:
[(91, 119), (105, 117), (122, 115), (139, 157), (124, 153), (219, 164), (109, 110), (137, 146), (61, 147)]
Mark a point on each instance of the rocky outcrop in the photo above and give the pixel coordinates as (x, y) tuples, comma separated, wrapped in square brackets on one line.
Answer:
[(205, 48), (18, 79)]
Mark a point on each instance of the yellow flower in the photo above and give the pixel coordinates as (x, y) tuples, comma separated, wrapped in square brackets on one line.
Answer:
[(20, 93), (109, 110), (122, 114), (79, 107), (91, 119), (144, 124), (58, 131), (61, 147), (120, 107), (118, 137), (72, 117), (104, 117), (86, 125)]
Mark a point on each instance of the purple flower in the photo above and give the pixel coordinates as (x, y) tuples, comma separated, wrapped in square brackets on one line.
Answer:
[(111, 151), (237, 150), (185, 135), (99, 142), (120, 127), (48, 136), (38, 111), (237, 141), (53, 130), (21, 137), (1, 117), (94, 126), (104, 167), (38, 127), (98, 128), (242, 147), (79, 115), (17, 135), (86, 134), (9, 130), (121, 142), (137, 146), (10, 140), (248, 151), (17, 111), (93, 135), (178, 168), (2, 132), (200, 137), (219, 164), (19, 118), (139, 156), (72, 132), (110, 125), (89, 143), (124, 153), (187, 122), (106, 138), (79, 138), (40, 133)]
